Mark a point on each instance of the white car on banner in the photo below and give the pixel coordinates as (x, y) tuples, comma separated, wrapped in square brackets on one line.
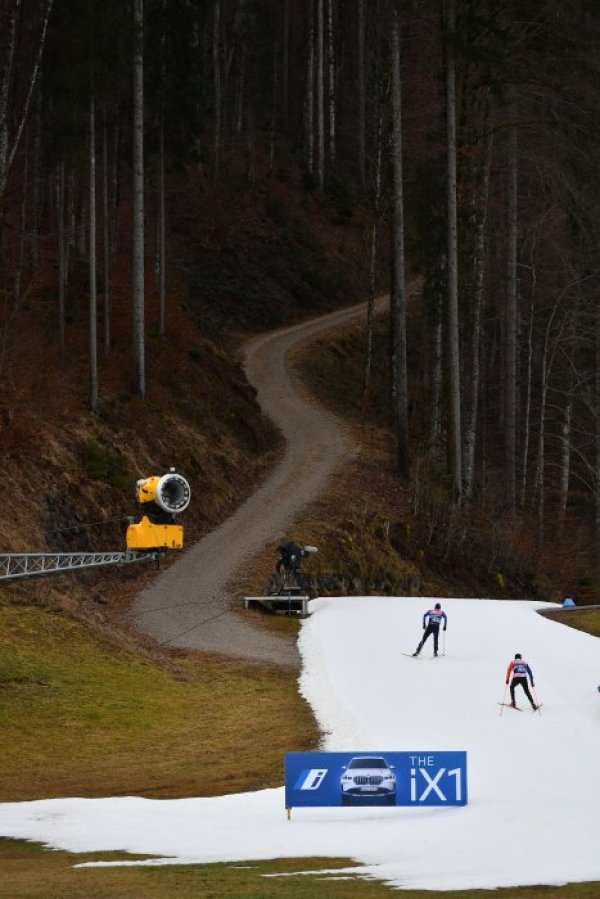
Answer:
[(368, 778)]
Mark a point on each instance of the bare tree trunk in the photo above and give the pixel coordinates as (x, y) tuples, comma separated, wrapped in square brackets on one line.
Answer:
[(541, 460), (361, 92), (238, 21), (30, 90), (309, 105), (597, 410), (80, 230), (162, 296), (105, 237), (62, 278), (320, 97), (453, 326), (36, 179), (331, 80), (370, 308), (565, 459), (539, 484), (399, 282), (114, 196), (241, 93), (22, 228), (138, 199), (527, 409), (161, 217), (71, 231), (273, 127), (286, 58), (250, 149), (510, 379), (5, 81), (217, 79), (478, 288), (92, 264), (374, 243), (438, 353)]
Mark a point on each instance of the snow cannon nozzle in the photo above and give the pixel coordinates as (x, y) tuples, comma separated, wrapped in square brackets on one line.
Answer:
[(171, 492)]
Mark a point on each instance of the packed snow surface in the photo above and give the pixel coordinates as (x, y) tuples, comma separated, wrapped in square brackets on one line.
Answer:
[(534, 778)]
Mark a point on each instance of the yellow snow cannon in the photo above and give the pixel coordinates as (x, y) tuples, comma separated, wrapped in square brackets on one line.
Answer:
[(161, 498)]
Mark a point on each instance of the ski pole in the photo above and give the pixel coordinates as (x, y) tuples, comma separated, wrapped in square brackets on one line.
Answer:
[(503, 703), (536, 700), (444, 642)]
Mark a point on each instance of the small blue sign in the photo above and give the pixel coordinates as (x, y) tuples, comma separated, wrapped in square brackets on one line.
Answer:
[(375, 778)]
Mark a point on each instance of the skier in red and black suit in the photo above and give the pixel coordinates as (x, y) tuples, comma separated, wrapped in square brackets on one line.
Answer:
[(435, 616), (519, 671)]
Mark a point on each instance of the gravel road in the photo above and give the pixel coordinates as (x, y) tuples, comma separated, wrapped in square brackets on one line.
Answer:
[(189, 604)]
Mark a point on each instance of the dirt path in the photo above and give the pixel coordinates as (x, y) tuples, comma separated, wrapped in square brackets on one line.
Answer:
[(189, 605)]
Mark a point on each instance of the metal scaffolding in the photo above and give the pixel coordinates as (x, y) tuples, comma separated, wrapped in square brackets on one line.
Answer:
[(20, 565)]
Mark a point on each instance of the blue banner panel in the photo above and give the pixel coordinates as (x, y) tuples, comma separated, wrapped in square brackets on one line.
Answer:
[(375, 778)]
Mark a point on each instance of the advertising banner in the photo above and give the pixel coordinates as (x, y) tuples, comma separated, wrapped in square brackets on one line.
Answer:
[(375, 778)]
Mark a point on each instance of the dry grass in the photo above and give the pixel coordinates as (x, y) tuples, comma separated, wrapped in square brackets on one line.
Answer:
[(26, 870), (30, 871), (587, 620), (81, 716)]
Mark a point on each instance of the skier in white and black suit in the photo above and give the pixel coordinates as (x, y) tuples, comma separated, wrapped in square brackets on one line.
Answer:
[(432, 626)]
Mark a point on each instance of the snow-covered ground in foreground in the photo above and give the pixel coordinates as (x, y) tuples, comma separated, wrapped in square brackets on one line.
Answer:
[(534, 779)]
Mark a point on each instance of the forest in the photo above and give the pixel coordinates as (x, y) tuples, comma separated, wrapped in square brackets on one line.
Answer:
[(442, 151)]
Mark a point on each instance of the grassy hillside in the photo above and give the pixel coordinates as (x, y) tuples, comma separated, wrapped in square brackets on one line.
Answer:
[(84, 716), (587, 620)]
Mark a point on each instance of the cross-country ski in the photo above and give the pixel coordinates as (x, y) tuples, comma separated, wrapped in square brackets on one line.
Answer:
[(517, 708), (412, 655)]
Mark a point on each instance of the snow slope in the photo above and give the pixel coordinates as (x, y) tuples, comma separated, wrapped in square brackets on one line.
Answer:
[(534, 779)]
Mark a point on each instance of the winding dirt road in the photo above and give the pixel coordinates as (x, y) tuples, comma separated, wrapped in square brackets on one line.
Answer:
[(189, 605)]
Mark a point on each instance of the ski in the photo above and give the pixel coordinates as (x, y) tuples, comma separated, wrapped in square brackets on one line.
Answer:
[(517, 708), (409, 655)]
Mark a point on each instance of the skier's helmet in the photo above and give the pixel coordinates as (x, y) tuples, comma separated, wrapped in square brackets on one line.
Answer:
[(438, 605), (518, 655)]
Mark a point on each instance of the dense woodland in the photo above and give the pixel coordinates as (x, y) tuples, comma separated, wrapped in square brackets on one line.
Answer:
[(463, 136)]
